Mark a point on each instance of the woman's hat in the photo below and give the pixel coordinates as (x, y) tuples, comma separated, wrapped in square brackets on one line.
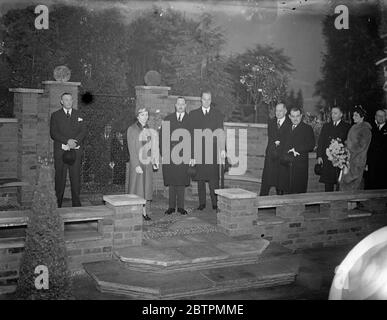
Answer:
[(69, 157)]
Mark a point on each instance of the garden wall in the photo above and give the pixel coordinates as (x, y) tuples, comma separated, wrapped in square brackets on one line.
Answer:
[(303, 220), (92, 233)]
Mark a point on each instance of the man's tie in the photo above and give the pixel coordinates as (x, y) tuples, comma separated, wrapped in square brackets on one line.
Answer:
[(293, 127), (335, 124), (278, 124), (68, 114), (179, 119)]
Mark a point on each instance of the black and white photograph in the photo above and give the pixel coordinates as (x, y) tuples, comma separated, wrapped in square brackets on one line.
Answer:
[(193, 157)]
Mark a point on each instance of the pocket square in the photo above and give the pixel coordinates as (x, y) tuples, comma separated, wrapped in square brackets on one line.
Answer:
[(80, 119)]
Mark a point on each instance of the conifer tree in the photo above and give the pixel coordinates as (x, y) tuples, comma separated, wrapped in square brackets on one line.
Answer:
[(44, 245)]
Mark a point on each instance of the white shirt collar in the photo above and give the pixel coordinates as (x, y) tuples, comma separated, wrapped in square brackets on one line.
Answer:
[(204, 110), (66, 110), (281, 121), (380, 125), (180, 113), (337, 122)]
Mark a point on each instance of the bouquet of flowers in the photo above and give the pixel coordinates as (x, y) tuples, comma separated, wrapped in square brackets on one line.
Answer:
[(339, 155)]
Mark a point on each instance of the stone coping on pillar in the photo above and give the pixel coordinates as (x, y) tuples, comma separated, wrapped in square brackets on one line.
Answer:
[(124, 200), (26, 90), (193, 98), (62, 83), (153, 87), (8, 120), (235, 193)]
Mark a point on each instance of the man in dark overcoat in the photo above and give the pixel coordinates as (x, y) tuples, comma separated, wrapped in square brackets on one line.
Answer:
[(68, 130), (207, 121), (175, 164), (337, 128), (377, 154), (278, 128), (295, 155)]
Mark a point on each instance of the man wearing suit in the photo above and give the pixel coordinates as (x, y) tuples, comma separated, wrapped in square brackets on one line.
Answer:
[(207, 168), (337, 128), (175, 166), (377, 154), (295, 155), (68, 130), (277, 129)]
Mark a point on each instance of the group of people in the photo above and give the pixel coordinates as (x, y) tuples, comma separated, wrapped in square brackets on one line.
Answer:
[(178, 168), (290, 140), (145, 146), (286, 167)]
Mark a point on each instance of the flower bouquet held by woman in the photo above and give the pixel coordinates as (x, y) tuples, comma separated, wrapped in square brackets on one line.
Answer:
[(339, 155)]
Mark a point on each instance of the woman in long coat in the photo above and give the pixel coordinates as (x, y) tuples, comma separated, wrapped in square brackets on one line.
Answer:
[(142, 158), (358, 141)]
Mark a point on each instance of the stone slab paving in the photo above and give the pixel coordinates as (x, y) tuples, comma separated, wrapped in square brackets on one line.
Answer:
[(113, 277), (192, 249)]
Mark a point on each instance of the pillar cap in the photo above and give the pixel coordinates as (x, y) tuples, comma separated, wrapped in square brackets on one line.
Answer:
[(124, 200), (26, 90), (62, 83), (152, 87), (235, 193)]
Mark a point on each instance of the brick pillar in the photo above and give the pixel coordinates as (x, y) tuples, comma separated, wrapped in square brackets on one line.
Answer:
[(237, 215), (26, 105), (127, 219)]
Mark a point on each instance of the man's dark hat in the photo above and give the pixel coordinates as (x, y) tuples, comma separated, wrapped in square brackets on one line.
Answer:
[(191, 171), (287, 159), (317, 169), (69, 157)]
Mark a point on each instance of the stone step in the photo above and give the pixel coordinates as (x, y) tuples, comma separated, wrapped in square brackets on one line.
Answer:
[(195, 252), (113, 277)]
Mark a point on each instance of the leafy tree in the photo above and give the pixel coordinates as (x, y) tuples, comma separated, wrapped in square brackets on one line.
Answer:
[(45, 245), (194, 63), (260, 76), (349, 74), (300, 98), (292, 100)]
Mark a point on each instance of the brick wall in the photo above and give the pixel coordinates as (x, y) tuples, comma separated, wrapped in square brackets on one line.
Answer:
[(8, 148), (116, 224), (304, 220)]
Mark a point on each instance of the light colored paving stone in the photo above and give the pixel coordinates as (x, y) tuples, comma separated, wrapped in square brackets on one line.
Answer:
[(237, 248)]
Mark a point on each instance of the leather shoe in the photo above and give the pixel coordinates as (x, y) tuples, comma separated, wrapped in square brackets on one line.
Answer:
[(146, 217), (170, 211), (182, 211), (201, 207)]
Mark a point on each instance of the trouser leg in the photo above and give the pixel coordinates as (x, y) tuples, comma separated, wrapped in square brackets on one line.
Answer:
[(172, 197), (213, 184), (265, 188), (60, 179), (180, 190), (75, 181), (202, 192)]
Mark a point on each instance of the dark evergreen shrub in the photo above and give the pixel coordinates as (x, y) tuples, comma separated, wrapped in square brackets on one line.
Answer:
[(45, 245)]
